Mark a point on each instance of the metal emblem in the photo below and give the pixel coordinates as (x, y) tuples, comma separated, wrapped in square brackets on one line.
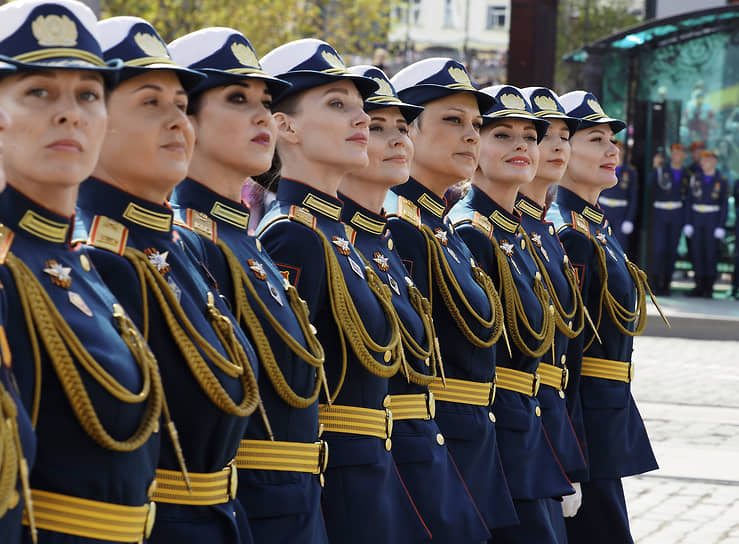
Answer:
[(507, 248), (381, 261), (393, 284), (357, 269), (454, 255), (60, 275), (78, 302), (441, 235), (158, 260), (342, 245), (257, 268), (275, 293), (536, 240)]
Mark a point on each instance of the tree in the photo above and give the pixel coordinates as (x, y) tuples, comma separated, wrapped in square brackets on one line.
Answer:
[(353, 27), (581, 22)]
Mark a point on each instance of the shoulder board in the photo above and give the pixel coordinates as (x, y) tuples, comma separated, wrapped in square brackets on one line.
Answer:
[(351, 234), (200, 223), (580, 223), (302, 216), (483, 224), (409, 211), (108, 234), (6, 240)]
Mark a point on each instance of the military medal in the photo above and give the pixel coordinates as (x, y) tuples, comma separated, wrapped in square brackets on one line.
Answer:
[(507, 248), (79, 303), (381, 261), (342, 245), (454, 255), (604, 241), (393, 284), (174, 288), (257, 268), (441, 235), (357, 269), (158, 260), (60, 275), (275, 294), (536, 240)]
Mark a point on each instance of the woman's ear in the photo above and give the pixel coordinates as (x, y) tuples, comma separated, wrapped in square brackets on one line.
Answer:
[(286, 127)]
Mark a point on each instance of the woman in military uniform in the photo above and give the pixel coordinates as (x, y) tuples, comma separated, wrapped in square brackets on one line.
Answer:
[(322, 135), (281, 465), (17, 441), (465, 306), (569, 318), (206, 362), (89, 383), (613, 291), (486, 219), (419, 447)]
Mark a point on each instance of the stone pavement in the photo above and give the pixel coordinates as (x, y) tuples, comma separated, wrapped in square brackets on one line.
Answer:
[(693, 422)]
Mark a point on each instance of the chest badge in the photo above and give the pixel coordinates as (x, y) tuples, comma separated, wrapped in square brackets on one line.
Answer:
[(257, 268), (381, 261), (507, 248), (357, 269), (536, 240), (60, 275), (158, 260), (78, 302), (275, 293), (454, 255), (601, 237), (342, 245), (441, 236), (393, 284)]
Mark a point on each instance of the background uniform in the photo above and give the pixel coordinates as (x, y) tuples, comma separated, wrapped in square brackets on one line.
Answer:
[(619, 203)]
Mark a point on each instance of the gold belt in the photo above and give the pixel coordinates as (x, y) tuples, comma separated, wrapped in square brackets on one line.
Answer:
[(209, 488), (418, 406), (356, 420), (463, 391), (289, 456), (553, 376), (91, 519), (607, 369), (525, 383)]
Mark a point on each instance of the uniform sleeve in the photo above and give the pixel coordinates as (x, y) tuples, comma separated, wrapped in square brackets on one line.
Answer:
[(411, 246), (297, 252), (482, 250)]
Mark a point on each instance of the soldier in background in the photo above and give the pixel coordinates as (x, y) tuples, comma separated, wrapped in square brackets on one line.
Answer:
[(620, 201)]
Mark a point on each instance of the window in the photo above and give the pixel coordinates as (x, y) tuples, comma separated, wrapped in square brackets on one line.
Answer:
[(496, 17), (448, 14)]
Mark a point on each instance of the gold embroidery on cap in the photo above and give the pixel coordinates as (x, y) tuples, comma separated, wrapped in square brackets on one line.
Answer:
[(461, 77), (54, 31), (384, 87), (333, 60), (244, 55), (150, 45), (595, 106), (545, 103), (512, 101)]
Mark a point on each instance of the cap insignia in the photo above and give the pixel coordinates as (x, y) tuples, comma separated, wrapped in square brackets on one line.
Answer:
[(244, 55), (333, 60), (513, 102), (55, 31), (384, 88), (150, 45), (593, 104), (460, 76), (545, 103)]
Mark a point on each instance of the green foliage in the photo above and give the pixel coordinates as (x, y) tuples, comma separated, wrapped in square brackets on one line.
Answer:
[(352, 26), (604, 18)]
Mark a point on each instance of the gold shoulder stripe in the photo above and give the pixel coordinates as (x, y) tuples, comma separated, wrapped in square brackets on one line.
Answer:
[(508, 225), (364, 222), (481, 223), (202, 224), (431, 205), (44, 228), (6, 240), (302, 216), (147, 218), (591, 214), (232, 216), (324, 207), (351, 234), (580, 223), (409, 211), (105, 233), (524, 206)]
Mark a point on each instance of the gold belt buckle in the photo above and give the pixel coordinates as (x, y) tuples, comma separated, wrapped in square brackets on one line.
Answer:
[(233, 480), (565, 377), (430, 405), (536, 384)]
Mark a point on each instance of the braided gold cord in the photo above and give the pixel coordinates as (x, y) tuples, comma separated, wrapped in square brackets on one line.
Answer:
[(443, 276), (9, 466), (60, 343), (562, 317), (188, 340), (515, 312), (249, 321)]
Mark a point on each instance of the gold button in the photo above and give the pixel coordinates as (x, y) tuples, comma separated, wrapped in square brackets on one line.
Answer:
[(551, 229), (523, 244), (563, 359), (259, 244), (390, 244), (85, 262), (387, 356), (609, 230), (152, 489), (440, 439), (151, 517), (491, 417), (386, 401), (388, 444), (537, 411)]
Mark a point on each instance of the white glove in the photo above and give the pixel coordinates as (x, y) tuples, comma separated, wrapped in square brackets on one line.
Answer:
[(688, 230), (627, 227), (719, 233), (571, 503)]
